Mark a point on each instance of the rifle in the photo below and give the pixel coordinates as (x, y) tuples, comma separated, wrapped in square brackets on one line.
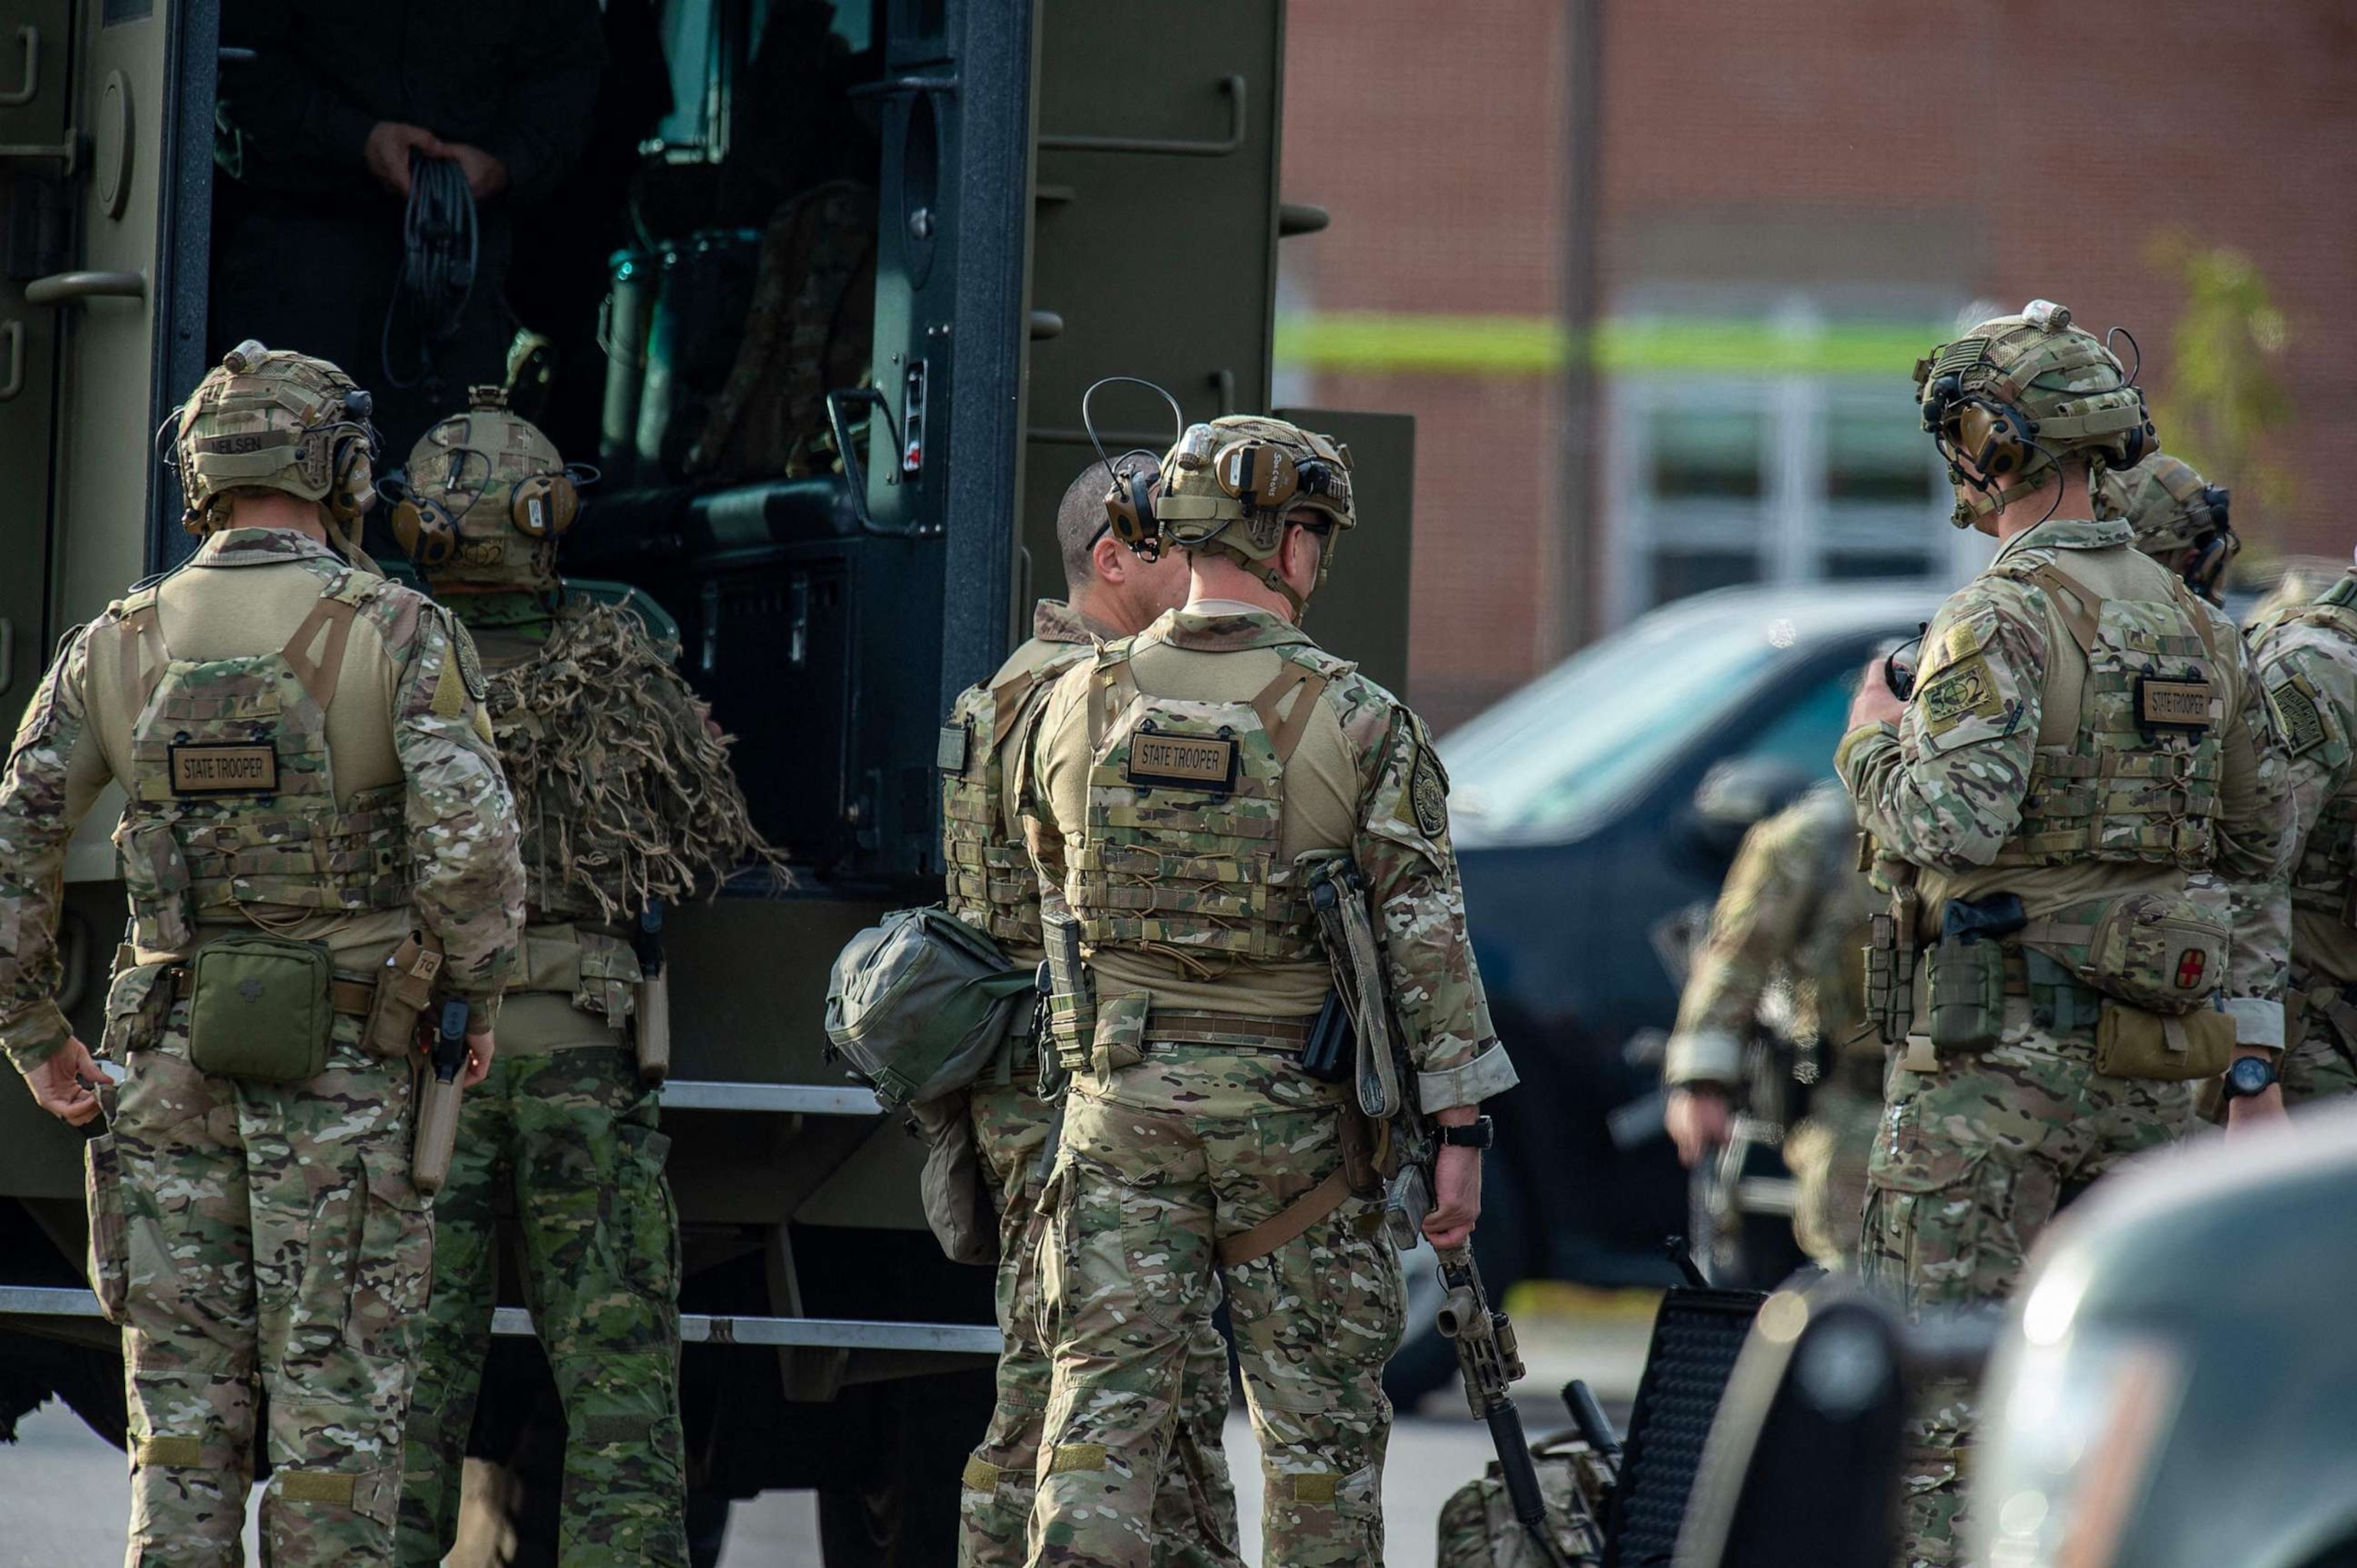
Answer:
[(654, 996), (438, 1104), (1487, 1354)]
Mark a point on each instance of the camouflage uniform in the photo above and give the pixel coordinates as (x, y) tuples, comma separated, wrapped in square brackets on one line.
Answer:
[(566, 1126), (271, 1239), (2307, 659), (1977, 1151), (1190, 1123), (1786, 936), (991, 884)]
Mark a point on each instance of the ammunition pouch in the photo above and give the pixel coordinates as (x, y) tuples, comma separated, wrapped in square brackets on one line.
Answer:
[(2160, 953), (405, 987), (2134, 1041), (155, 880), (1890, 974), (1965, 994), (1071, 992), (259, 1008)]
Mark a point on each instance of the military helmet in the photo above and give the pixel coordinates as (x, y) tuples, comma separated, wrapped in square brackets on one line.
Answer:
[(483, 498), (1232, 484), (2015, 394), (2169, 507), (268, 419)]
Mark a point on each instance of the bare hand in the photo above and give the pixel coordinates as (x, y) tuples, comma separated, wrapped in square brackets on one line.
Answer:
[(1699, 1121), (2257, 1113), (479, 1059), (388, 149), (1875, 703), (57, 1084), (1455, 1196), (486, 176)]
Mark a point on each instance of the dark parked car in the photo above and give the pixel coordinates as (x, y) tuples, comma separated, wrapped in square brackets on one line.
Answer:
[(1574, 821)]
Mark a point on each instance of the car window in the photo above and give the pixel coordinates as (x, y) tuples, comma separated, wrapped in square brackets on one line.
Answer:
[(1805, 734), (1572, 741)]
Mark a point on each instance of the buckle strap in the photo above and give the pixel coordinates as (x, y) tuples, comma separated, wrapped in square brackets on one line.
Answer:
[(1286, 1223)]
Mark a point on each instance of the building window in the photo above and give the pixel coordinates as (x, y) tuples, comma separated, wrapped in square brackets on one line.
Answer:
[(1719, 480)]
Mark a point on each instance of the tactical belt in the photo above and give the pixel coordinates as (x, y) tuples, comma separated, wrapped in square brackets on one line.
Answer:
[(1186, 1027), (353, 997)]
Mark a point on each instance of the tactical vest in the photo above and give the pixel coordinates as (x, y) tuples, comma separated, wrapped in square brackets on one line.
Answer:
[(2139, 781), (986, 870), (2321, 881), (232, 802), (1186, 802)]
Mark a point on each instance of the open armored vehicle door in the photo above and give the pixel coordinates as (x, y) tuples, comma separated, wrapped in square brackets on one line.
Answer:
[(104, 105)]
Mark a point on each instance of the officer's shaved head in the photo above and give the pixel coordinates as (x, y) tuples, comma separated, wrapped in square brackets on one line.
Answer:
[(1081, 517)]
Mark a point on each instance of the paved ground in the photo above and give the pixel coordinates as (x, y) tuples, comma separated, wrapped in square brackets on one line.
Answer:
[(63, 1495)]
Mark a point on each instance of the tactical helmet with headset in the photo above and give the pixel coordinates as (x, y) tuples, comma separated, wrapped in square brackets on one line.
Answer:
[(2171, 507), (1232, 485), (484, 498), (2016, 394), (267, 419)]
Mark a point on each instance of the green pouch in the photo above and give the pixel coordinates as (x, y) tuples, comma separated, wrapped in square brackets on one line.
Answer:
[(2179, 1048), (258, 1008), (1966, 993)]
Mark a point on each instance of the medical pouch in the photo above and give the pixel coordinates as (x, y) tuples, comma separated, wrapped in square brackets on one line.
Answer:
[(259, 1008), (2159, 951)]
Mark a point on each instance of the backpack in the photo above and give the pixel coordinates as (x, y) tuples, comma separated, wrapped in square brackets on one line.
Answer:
[(921, 1003), (1478, 1528)]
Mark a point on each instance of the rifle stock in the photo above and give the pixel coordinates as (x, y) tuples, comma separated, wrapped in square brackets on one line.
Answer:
[(654, 997)]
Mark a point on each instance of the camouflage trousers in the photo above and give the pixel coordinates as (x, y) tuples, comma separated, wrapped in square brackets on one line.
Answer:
[(570, 1135), (1194, 1518), (1827, 1154), (2320, 1063), (269, 1242), (1971, 1163), (1160, 1162)]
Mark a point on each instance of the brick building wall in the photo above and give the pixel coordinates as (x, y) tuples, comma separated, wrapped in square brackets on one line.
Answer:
[(1835, 154)]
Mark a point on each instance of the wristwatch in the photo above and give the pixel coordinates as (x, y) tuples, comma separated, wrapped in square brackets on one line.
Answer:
[(2249, 1076), (1479, 1133)]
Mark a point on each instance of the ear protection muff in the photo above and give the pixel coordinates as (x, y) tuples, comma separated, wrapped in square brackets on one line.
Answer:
[(2139, 440), (425, 530), (1995, 436), (1129, 509), (1262, 476), (545, 505)]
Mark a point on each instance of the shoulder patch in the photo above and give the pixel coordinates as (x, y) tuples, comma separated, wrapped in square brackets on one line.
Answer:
[(470, 662), (2296, 717), (1427, 796), (1959, 692)]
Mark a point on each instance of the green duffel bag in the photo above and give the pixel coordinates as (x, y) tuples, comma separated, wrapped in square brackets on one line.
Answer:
[(921, 1002), (259, 1008)]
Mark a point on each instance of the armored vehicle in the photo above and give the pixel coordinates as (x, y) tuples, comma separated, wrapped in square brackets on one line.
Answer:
[(1043, 193)]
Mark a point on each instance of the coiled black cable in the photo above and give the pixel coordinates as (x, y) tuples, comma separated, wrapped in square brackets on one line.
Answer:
[(438, 240)]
